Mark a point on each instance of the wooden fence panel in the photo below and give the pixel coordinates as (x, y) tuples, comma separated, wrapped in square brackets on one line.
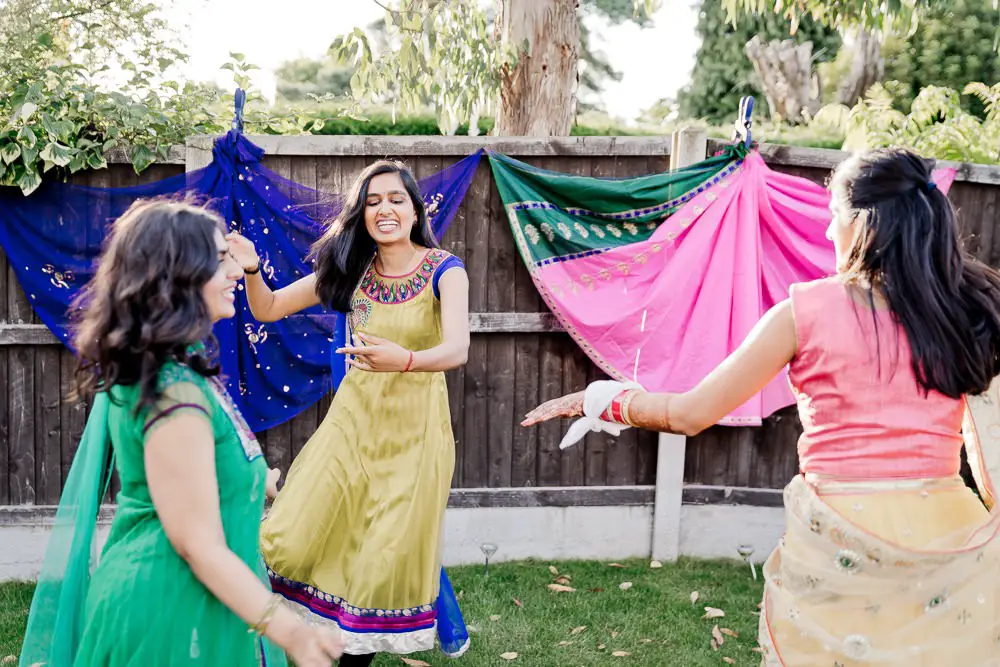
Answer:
[(508, 372)]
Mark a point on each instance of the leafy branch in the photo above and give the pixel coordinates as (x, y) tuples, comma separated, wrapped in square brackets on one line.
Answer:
[(937, 125), (444, 57)]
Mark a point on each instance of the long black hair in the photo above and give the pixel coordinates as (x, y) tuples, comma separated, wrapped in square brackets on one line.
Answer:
[(908, 249), (342, 254), (144, 305)]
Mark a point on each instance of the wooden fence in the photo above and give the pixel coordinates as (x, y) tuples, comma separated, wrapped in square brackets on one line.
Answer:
[(518, 357)]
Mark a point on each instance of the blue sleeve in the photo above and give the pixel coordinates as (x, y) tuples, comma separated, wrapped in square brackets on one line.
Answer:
[(450, 262)]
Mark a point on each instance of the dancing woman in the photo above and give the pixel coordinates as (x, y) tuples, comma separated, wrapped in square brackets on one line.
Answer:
[(355, 534), (180, 579), (888, 558)]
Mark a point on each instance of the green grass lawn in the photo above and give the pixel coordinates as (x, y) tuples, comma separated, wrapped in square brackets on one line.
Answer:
[(513, 611), (15, 598)]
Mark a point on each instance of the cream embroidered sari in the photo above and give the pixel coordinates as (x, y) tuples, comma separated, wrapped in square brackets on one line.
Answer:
[(891, 573)]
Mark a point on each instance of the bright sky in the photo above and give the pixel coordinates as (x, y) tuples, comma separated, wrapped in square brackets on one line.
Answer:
[(655, 61)]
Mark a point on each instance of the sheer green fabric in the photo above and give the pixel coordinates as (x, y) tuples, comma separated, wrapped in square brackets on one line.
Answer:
[(56, 620), (143, 606)]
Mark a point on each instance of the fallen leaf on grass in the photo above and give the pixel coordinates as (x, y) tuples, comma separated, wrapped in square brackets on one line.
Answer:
[(494, 618), (656, 565), (757, 649), (694, 596), (565, 643), (8, 659), (615, 565), (715, 645), (518, 602), (509, 656), (559, 588), (596, 590), (717, 636), (415, 663), (729, 661), (563, 580), (712, 612), (614, 634), (576, 631), (553, 570), (646, 641), (729, 633), (601, 647), (621, 654), (625, 585)]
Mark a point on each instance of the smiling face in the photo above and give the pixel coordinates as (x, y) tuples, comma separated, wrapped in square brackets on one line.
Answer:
[(389, 211), (220, 291)]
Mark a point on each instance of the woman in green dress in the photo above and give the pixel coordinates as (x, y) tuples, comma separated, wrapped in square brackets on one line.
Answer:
[(180, 580)]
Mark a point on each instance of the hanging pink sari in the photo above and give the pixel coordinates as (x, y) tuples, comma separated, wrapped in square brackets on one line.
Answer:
[(659, 278)]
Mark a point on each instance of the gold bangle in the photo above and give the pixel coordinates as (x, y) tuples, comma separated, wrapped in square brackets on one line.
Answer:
[(626, 404), (260, 627)]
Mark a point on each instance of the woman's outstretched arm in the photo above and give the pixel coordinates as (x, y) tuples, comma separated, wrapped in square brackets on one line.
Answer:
[(770, 345)]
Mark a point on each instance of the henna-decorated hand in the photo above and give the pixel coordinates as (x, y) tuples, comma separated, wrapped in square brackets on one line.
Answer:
[(570, 405)]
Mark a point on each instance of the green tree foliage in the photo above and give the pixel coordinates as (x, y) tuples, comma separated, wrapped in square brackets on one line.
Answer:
[(952, 46), (723, 74), (421, 68), (899, 15), (303, 79), (426, 69), (936, 125), (384, 124), (82, 77), (54, 53)]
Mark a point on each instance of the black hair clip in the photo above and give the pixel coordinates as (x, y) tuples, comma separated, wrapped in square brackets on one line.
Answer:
[(931, 186)]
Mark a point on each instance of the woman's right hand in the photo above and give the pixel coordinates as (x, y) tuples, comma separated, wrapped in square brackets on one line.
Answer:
[(243, 251), (312, 646), (570, 405)]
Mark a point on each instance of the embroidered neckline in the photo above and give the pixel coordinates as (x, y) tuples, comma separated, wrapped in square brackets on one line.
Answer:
[(249, 442), (399, 289), (405, 275)]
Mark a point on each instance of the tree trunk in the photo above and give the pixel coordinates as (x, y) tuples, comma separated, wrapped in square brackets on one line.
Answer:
[(867, 67), (538, 95), (785, 72)]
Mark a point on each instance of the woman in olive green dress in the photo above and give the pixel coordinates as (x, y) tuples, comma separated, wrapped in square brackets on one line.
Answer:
[(354, 540), (180, 580)]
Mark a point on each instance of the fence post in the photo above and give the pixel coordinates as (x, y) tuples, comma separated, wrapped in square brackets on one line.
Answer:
[(688, 146)]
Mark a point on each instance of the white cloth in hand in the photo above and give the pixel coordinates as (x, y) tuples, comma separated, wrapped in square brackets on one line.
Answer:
[(596, 400)]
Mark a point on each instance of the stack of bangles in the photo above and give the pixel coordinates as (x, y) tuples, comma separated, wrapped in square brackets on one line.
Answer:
[(260, 627), (618, 411)]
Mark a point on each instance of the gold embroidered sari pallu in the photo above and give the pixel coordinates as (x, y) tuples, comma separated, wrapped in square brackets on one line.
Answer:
[(890, 573)]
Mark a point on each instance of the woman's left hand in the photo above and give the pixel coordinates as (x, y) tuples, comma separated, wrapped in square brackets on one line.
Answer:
[(378, 355)]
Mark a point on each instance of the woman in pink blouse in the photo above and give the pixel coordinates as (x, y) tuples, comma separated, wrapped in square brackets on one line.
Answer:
[(888, 557)]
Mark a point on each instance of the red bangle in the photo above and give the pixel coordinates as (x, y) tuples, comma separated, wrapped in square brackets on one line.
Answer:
[(617, 412), (408, 364)]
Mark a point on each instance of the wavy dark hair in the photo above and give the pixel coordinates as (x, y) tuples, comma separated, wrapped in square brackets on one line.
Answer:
[(144, 305), (908, 249), (342, 253)]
